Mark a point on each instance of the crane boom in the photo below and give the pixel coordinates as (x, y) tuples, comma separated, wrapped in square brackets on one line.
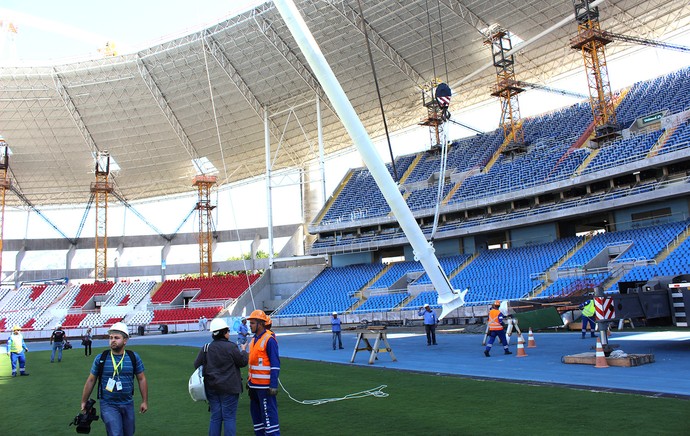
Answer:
[(550, 89), (645, 41)]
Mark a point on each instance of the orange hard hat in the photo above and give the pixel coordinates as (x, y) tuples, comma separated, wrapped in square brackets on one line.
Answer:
[(497, 303), (259, 315), (268, 320)]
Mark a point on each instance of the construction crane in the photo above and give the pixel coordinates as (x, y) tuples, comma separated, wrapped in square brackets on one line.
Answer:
[(100, 190), (204, 183), (506, 88), (592, 41), (5, 184), (551, 89), (645, 41)]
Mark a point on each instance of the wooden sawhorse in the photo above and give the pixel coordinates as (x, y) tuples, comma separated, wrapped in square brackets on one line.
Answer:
[(379, 337)]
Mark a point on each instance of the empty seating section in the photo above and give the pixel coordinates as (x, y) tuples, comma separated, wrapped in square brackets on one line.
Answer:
[(214, 288), (564, 286), (507, 274), (332, 290), (73, 320), (128, 294), (680, 138), (396, 271), (671, 92), (352, 205), (646, 244), (185, 315), (622, 151), (449, 264), (382, 303), (88, 291), (141, 318), (677, 262), (426, 297)]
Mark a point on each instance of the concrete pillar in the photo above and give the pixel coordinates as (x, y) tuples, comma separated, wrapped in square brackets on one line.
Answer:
[(18, 265), (164, 258), (69, 257)]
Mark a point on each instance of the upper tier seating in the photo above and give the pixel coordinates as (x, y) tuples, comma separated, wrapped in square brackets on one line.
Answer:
[(185, 315)]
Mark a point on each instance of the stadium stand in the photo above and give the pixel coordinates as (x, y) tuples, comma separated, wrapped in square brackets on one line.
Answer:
[(184, 315), (214, 288)]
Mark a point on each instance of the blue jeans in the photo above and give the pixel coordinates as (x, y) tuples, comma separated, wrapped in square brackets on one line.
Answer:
[(57, 346), (223, 413), (14, 357), (118, 418), (336, 335)]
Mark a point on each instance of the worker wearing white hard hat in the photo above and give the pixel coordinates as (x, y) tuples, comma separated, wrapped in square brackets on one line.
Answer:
[(222, 360), (114, 371), (430, 321), (336, 330)]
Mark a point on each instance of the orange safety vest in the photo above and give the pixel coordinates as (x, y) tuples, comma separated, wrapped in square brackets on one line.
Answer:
[(493, 320), (259, 364)]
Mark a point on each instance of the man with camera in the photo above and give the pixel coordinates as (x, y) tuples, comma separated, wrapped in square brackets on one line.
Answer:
[(115, 370)]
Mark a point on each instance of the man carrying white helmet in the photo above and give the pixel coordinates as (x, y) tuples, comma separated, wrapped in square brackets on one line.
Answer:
[(115, 370), (222, 360)]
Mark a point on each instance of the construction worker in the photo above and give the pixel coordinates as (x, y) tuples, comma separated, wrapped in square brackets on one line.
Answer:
[(15, 349), (336, 331), (262, 383), (430, 321), (496, 329), (242, 332), (588, 318)]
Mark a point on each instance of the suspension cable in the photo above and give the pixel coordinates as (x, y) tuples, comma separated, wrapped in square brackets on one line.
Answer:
[(443, 40), (378, 91)]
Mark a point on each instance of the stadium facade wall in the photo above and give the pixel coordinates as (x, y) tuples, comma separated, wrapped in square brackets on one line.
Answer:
[(537, 234), (677, 207)]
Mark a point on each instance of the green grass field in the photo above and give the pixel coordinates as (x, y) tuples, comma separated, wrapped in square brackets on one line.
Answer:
[(45, 402)]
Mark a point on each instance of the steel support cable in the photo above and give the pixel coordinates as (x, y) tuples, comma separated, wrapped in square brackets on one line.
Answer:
[(378, 90), (441, 186), (443, 40)]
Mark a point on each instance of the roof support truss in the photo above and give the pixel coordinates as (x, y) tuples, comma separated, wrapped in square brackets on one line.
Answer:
[(466, 14), (359, 22), (74, 113), (165, 108)]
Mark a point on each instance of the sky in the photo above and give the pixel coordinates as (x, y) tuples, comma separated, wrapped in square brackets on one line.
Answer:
[(50, 31)]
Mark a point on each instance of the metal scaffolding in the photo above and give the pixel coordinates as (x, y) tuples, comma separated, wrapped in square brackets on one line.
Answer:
[(506, 88), (204, 184), (592, 41), (4, 186), (100, 190)]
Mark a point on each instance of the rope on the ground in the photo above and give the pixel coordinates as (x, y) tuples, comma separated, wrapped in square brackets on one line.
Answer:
[(375, 392)]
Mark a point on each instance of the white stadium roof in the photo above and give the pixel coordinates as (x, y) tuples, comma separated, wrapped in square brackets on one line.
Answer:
[(154, 110)]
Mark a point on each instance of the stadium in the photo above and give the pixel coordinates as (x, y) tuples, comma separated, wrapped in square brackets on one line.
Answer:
[(225, 171)]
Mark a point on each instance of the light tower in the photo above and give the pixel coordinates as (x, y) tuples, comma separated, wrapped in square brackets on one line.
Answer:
[(4, 186), (506, 88), (591, 40), (437, 110), (204, 183), (100, 189)]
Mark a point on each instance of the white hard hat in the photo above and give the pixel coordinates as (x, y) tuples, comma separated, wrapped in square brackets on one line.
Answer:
[(218, 324), (426, 305), (335, 313), (119, 327)]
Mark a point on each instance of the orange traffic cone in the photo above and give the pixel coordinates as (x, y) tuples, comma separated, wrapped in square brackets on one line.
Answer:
[(530, 340), (600, 361), (521, 347)]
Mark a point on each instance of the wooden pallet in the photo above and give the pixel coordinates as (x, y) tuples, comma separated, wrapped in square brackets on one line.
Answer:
[(589, 359)]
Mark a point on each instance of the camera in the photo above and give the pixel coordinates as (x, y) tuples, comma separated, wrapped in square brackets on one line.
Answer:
[(84, 419)]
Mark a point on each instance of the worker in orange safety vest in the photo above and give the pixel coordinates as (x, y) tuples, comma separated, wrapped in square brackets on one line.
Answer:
[(262, 383), (496, 329)]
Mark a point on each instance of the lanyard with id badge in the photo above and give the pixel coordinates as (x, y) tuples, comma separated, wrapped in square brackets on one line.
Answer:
[(114, 384)]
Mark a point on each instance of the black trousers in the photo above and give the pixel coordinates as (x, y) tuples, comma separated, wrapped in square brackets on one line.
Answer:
[(430, 333)]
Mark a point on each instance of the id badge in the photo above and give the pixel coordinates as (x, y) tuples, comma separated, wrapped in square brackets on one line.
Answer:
[(111, 384), (118, 385)]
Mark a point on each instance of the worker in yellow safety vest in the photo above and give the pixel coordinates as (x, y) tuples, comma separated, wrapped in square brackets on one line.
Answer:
[(496, 329), (264, 368), (588, 318), (15, 349)]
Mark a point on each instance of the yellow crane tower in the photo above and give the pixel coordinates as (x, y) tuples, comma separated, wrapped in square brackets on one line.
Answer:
[(4, 186), (100, 189), (204, 183), (592, 41), (507, 87)]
